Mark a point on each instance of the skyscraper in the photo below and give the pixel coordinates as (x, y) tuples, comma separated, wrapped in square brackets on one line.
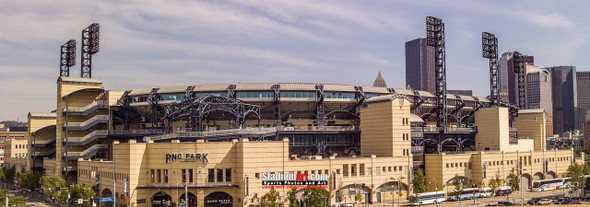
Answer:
[(510, 79), (538, 94), (583, 90), (420, 72), (564, 95)]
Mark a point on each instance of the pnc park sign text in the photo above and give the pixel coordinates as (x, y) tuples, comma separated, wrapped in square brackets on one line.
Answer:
[(186, 157)]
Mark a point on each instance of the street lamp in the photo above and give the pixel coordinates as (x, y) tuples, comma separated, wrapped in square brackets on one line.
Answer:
[(398, 188)]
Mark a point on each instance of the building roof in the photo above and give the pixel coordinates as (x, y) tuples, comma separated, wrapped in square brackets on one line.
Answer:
[(79, 80), (379, 81), (531, 111), (42, 115)]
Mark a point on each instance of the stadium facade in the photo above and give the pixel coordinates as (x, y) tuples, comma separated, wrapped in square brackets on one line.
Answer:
[(217, 141)]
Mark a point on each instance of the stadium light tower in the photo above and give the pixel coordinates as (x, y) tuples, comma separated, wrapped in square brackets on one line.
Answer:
[(67, 58), (518, 67), (90, 46), (435, 36), (489, 46)]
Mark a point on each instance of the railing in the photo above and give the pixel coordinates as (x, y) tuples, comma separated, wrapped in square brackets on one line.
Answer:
[(88, 138), (220, 133), (42, 142), (45, 153), (69, 168), (88, 108), (316, 128), (86, 153), (449, 129), (136, 131), (88, 123)]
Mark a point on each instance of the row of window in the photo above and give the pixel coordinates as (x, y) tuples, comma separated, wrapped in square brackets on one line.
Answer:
[(525, 160), (13, 136), (20, 155), (211, 175), (255, 95), (189, 175)]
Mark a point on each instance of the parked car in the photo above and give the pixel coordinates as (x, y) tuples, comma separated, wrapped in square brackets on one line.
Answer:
[(505, 203), (545, 202), (574, 202), (533, 201), (561, 202)]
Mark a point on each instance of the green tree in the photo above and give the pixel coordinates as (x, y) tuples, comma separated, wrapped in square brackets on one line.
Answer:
[(8, 175), (576, 174), (514, 180), (292, 196), (419, 182), (358, 196), (50, 185), (339, 193), (458, 187), (316, 197), (17, 201), (30, 181), (494, 183), (82, 191), (269, 199)]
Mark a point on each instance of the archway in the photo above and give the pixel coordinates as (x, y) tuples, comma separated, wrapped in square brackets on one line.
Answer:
[(551, 175), (218, 199), (105, 193), (525, 181), (350, 192), (463, 180), (538, 176), (192, 200), (388, 190), (161, 199)]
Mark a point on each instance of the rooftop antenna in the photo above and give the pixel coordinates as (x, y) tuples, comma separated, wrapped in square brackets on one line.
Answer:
[(489, 46), (67, 58), (90, 46)]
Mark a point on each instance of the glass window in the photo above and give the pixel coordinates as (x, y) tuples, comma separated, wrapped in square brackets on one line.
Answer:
[(184, 175), (255, 95), (211, 175), (211, 94), (219, 175), (228, 175), (297, 94), (165, 175), (159, 174), (190, 175)]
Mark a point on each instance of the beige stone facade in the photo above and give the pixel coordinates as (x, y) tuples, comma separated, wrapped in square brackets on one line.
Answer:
[(148, 173), (142, 173), (536, 165), (15, 154)]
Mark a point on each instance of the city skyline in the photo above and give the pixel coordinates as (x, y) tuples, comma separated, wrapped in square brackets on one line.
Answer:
[(174, 43)]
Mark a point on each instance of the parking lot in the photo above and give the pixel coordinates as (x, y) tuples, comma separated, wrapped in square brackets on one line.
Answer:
[(514, 198)]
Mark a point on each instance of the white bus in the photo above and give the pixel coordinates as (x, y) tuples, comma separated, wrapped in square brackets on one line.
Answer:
[(548, 184), (466, 194), (485, 192), (427, 198)]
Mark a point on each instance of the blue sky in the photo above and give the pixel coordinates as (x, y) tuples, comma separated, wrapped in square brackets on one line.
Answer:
[(151, 43)]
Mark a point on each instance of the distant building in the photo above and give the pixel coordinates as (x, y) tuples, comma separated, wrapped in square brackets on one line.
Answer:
[(379, 81), (538, 93), (11, 133), (564, 98), (420, 68), (461, 92), (583, 92), (507, 69)]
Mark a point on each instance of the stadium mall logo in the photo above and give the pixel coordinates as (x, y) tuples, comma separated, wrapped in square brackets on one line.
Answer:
[(294, 180)]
